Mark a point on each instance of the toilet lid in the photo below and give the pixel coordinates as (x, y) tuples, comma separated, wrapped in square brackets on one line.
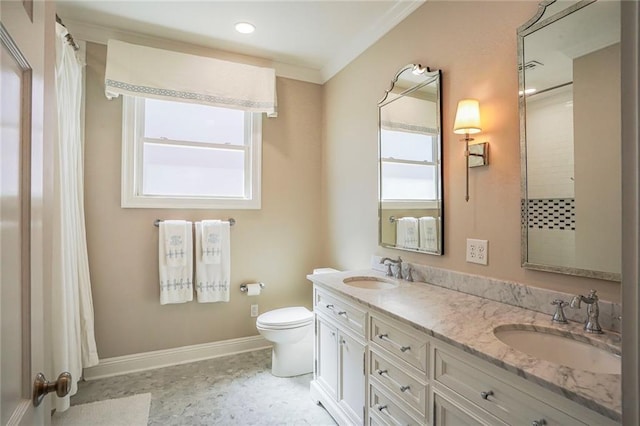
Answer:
[(286, 317)]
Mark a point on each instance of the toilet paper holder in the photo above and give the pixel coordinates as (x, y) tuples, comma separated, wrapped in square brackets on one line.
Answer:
[(243, 287)]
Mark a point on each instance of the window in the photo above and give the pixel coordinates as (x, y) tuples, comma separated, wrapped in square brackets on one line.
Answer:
[(408, 166), (182, 155)]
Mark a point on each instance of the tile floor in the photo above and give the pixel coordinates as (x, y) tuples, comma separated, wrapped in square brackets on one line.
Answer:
[(233, 390)]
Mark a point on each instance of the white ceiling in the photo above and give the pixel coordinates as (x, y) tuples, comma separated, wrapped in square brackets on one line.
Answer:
[(311, 39)]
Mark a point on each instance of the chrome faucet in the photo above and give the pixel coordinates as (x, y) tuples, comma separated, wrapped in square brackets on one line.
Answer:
[(593, 311), (391, 263), (559, 316)]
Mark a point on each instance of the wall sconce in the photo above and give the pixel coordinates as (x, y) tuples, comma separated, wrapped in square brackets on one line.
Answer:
[(467, 123)]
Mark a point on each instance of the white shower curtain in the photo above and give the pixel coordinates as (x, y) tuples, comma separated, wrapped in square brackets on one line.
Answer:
[(72, 331)]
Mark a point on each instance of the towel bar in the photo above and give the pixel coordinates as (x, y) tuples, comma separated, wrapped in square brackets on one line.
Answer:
[(243, 287), (156, 222)]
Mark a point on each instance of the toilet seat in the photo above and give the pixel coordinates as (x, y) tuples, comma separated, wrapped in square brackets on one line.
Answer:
[(285, 318)]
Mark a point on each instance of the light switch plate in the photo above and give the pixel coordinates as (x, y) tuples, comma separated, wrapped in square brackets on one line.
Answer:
[(477, 251)]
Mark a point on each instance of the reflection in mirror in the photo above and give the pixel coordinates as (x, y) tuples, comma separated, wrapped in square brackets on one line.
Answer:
[(410, 209), (569, 60)]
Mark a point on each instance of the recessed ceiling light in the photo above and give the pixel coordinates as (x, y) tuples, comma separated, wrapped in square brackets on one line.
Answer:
[(245, 27)]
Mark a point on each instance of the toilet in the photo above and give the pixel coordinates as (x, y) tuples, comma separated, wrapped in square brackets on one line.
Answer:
[(291, 332)]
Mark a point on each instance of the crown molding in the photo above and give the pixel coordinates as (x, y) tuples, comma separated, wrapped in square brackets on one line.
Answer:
[(101, 35), (368, 37)]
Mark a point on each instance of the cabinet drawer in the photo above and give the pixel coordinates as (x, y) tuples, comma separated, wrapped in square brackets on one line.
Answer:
[(387, 411), (344, 313), (402, 384), (492, 394), (400, 341), (450, 412)]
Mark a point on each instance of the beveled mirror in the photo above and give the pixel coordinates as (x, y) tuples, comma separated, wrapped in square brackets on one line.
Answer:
[(410, 164), (570, 138)]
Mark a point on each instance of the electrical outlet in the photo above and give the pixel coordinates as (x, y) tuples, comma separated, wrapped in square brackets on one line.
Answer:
[(254, 311), (477, 251)]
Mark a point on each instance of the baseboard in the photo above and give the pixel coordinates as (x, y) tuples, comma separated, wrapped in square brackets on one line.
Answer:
[(116, 366)]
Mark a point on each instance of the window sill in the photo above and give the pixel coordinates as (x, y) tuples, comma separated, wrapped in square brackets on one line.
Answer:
[(148, 202)]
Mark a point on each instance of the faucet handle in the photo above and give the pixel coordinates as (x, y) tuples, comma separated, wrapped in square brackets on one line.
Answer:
[(559, 316), (389, 272)]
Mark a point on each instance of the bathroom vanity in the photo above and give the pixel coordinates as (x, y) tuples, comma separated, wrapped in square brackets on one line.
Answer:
[(392, 352)]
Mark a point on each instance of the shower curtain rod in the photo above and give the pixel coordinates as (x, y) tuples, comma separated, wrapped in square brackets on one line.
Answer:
[(69, 37)]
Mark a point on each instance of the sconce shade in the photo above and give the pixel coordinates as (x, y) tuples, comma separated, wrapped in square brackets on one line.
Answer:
[(467, 117)]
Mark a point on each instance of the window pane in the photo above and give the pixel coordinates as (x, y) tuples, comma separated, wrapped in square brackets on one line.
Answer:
[(406, 145), (192, 122), (408, 182), (192, 171)]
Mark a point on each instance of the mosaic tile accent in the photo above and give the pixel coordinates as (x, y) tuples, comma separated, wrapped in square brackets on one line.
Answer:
[(552, 213)]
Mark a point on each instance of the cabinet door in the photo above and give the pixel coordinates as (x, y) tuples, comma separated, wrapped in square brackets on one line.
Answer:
[(351, 377), (327, 357)]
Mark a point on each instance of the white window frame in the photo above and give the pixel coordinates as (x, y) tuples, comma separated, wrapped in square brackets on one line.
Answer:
[(132, 151)]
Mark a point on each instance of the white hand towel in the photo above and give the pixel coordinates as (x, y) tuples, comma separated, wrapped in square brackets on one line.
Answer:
[(211, 242), (428, 233), (174, 236), (407, 232), (212, 279), (176, 281)]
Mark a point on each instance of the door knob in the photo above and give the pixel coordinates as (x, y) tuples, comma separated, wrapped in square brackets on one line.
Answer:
[(41, 387)]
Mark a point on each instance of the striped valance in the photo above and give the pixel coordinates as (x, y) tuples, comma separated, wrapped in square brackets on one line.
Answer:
[(162, 74)]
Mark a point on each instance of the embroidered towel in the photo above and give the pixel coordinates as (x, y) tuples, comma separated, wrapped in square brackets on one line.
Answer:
[(428, 233), (211, 242), (176, 272), (175, 239), (212, 279), (407, 232)]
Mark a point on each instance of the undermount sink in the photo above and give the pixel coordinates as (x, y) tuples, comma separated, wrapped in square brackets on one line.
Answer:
[(371, 283), (574, 351)]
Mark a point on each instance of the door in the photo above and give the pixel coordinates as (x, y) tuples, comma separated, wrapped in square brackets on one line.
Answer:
[(21, 208), (327, 356), (351, 377)]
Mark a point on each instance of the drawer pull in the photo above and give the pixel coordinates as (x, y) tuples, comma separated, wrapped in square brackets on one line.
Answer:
[(329, 306), (342, 313), (383, 409), (402, 348), (486, 395), (383, 373), (540, 422)]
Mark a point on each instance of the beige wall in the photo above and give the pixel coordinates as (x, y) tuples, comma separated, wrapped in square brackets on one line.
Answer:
[(474, 44), (278, 244), (320, 184)]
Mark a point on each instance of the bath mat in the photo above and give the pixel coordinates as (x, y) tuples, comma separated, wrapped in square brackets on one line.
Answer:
[(129, 411)]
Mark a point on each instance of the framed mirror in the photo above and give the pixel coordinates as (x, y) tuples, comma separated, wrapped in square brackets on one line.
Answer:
[(410, 211), (570, 138)]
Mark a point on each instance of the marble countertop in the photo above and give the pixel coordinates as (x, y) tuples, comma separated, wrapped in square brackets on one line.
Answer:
[(468, 321)]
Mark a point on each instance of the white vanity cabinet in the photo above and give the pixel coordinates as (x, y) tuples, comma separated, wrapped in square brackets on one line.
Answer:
[(340, 347), (376, 369)]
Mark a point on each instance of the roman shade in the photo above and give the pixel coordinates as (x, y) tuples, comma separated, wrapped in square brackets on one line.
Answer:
[(148, 72), (412, 115)]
